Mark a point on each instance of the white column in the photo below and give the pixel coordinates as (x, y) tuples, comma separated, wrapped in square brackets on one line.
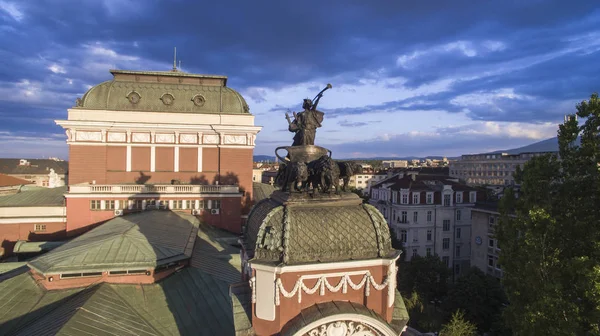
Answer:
[(170, 204), (152, 158), (176, 156), (199, 159), (128, 159), (102, 205), (117, 204)]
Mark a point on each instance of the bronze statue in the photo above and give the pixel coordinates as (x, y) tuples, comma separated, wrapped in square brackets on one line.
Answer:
[(347, 170), (305, 123)]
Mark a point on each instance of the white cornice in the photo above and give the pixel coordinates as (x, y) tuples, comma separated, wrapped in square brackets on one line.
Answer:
[(31, 220), (131, 126), (325, 266)]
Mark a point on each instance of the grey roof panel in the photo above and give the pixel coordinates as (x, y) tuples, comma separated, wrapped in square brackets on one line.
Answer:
[(35, 197), (145, 239)]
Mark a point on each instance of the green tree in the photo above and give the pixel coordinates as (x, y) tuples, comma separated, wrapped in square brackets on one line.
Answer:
[(479, 296), (458, 326), (428, 276), (550, 235)]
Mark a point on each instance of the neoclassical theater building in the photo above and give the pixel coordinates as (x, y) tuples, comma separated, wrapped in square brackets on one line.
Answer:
[(159, 140)]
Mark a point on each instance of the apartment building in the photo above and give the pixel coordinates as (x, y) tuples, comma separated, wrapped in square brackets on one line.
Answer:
[(490, 168), (430, 214), (395, 163), (484, 245), (49, 173), (365, 181)]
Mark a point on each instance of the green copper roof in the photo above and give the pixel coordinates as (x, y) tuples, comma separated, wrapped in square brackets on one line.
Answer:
[(142, 240), (260, 191), (187, 93), (189, 302), (35, 197), (295, 229)]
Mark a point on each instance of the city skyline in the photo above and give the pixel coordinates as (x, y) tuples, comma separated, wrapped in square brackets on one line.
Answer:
[(408, 80)]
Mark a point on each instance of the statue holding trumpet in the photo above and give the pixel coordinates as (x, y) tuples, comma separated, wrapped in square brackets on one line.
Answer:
[(305, 123)]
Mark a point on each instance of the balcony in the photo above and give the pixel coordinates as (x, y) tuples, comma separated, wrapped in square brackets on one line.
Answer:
[(152, 189)]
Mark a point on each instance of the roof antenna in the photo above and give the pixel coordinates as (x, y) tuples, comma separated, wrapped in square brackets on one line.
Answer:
[(175, 60)]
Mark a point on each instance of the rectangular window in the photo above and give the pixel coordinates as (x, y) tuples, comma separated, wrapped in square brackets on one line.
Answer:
[(429, 251), (139, 204), (458, 250), (472, 196), (457, 269), (416, 197), (429, 198), (447, 200), (414, 254), (403, 235), (446, 243), (95, 204), (458, 214), (39, 227), (458, 232), (216, 204), (429, 215), (203, 204), (415, 217), (446, 225), (490, 260), (459, 197), (428, 235), (404, 218), (415, 236), (404, 198), (110, 205), (446, 261), (492, 220), (491, 243)]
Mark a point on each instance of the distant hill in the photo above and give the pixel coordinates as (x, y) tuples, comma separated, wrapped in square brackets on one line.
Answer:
[(548, 145), (267, 158), (264, 158)]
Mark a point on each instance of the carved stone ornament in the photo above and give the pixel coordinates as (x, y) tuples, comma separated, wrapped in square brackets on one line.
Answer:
[(167, 99), (89, 136), (117, 137), (235, 140), (134, 97), (211, 139), (140, 137), (188, 138), (78, 102), (199, 100), (343, 328), (165, 138)]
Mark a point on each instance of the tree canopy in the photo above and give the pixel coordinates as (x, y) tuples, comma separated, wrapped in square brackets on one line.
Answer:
[(550, 235), (458, 326), (479, 296), (428, 276)]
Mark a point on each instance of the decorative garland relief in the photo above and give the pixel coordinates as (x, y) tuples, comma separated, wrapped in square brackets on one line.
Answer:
[(322, 283), (343, 328)]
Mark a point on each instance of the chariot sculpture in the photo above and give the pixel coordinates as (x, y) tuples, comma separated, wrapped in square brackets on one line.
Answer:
[(307, 167)]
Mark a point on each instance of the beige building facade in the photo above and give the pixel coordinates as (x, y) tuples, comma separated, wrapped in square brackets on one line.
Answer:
[(430, 215), (490, 168), (484, 245)]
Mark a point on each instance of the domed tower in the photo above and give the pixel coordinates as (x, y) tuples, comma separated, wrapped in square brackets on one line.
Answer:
[(319, 261)]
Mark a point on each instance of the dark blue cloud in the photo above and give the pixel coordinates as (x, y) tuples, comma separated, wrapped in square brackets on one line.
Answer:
[(285, 42)]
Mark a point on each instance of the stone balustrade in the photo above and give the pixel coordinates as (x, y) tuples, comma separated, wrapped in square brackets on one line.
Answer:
[(152, 189)]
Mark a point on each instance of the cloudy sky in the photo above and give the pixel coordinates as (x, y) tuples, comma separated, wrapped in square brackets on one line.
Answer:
[(409, 77)]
